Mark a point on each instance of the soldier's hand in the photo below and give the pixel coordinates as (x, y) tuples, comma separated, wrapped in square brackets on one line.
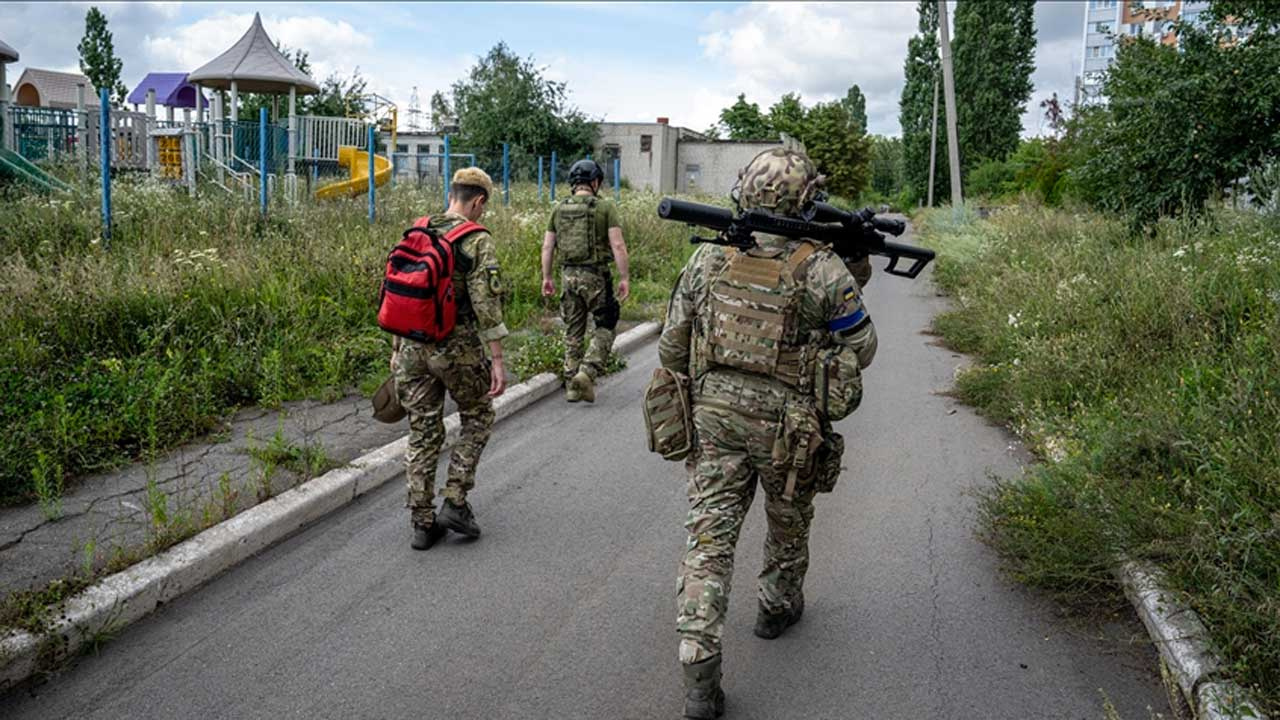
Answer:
[(624, 290), (548, 287), (497, 378)]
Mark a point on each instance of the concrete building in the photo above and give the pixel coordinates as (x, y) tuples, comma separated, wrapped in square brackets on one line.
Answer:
[(668, 159), (1107, 22)]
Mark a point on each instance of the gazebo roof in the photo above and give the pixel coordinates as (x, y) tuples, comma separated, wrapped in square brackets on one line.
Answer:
[(172, 90), (7, 54), (255, 65)]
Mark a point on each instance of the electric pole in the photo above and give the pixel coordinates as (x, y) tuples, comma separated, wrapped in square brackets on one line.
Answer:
[(949, 90), (933, 140)]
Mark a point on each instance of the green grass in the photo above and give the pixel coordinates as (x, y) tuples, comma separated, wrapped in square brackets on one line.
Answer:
[(200, 306), (1145, 371)]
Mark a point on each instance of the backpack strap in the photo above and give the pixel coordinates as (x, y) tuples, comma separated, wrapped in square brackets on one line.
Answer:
[(462, 230)]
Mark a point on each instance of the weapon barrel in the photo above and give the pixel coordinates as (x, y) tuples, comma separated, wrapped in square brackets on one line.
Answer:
[(710, 216), (828, 213)]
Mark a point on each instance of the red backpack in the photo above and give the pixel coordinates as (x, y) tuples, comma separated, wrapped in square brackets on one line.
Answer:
[(417, 299)]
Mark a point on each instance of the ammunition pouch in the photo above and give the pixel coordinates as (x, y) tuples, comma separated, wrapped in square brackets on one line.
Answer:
[(795, 448), (668, 418), (826, 470), (837, 383)]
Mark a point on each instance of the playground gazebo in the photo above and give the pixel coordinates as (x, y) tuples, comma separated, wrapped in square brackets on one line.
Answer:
[(254, 64)]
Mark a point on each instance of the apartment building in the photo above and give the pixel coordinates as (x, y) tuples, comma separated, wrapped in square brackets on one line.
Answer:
[(1107, 22)]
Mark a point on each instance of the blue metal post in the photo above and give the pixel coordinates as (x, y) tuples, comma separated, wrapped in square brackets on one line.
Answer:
[(539, 178), (506, 174), (373, 146), (617, 179), (262, 159), (104, 141), (553, 176), (444, 180)]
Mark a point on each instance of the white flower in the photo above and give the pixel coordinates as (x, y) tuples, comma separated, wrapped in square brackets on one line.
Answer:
[(1014, 319)]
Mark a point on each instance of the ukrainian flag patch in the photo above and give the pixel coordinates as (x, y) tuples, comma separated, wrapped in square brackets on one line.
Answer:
[(849, 294)]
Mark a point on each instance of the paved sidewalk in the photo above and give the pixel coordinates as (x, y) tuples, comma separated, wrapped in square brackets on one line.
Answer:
[(108, 510)]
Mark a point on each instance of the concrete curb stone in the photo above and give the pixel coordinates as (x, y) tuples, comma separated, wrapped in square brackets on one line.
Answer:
[(1183, 642), (125, 597)]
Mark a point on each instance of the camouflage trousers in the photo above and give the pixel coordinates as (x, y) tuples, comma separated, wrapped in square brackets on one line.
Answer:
[(587, 291), (734, 452), (424, 372)]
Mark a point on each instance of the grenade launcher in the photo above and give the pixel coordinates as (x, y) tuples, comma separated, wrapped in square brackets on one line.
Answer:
[(852, 235)]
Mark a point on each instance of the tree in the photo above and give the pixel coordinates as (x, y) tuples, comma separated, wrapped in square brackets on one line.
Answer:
[(744, 121), (915, 116), (1181, 125), (98, 59), (841, 155), (505, 98), (994, 57), (788, 116), (886, 165), (441, 111), (856, 104)]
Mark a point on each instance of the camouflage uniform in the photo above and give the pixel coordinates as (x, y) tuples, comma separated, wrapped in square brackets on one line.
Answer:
[(587, 290), (738, 417), (458, 365)]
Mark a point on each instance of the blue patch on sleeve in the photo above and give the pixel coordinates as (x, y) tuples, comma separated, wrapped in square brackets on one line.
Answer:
[(848, 321)]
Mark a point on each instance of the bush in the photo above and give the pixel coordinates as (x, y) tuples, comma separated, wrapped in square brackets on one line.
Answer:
[(1146, 372)]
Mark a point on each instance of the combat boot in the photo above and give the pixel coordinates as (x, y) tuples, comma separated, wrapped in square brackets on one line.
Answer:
[(585, 386), (571, 391), (458, 518), (703, 698), (424, 536), (770, 625)]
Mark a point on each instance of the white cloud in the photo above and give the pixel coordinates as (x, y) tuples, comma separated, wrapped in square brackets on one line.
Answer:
[(817, 50)]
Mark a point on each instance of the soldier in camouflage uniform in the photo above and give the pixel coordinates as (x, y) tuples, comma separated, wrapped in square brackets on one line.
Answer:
[(424, 372), (586, 231), (750, 329)]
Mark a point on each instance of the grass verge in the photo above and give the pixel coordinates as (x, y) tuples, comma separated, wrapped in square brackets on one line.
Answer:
[(1145, 371)]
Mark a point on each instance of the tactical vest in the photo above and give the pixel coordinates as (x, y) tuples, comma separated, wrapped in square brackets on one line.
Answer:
[(751, 317), (576, 231)]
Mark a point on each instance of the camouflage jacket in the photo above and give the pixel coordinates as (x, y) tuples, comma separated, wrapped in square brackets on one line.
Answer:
[(477, 280), (830, 309)]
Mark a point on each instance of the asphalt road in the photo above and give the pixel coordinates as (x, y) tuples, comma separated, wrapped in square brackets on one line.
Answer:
[(565, 607)]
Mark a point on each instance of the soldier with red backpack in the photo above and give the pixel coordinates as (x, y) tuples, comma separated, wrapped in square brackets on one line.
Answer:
[(442, 299), (585, 232)]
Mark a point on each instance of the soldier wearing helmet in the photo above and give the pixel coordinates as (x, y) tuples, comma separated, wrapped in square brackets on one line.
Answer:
[(585, 232), (773, 340)]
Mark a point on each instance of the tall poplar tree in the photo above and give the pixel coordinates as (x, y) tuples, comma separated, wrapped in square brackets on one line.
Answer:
[(915, 116), (98, 59), (995, 49)]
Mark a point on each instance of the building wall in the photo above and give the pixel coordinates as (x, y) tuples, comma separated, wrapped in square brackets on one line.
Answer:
[(1125, 18), (652, 168), (711, 167)]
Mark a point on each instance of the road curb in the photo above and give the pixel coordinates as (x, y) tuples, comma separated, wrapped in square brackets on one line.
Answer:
[(120, 599), (1183, 642)]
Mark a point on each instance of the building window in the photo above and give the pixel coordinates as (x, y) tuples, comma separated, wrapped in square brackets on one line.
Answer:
[(692, 174), (1095, 51), (646, 143), (402, 148), (1102, 27), (1135, 29), (441, 150), (1103, 4)]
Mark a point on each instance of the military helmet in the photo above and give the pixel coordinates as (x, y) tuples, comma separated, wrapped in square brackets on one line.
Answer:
[(386, 403), (780, 180), (584, 172)]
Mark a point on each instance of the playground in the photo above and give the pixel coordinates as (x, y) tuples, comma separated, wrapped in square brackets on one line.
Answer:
[(187, 130)]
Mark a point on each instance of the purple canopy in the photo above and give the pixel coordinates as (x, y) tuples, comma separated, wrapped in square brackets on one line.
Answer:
[(172, 90)]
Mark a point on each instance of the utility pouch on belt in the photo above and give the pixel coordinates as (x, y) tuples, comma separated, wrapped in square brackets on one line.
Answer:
[(796, 446), (668, 420), (837, 383), (827, 469)]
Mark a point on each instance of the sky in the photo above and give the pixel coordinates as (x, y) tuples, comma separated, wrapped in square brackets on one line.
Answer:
[(625, 61)]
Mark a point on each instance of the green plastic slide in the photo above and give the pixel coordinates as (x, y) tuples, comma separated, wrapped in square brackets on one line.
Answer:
[(15, 166)]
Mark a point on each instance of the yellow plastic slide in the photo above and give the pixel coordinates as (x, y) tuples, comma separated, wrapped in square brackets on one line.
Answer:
[(357, 163)]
